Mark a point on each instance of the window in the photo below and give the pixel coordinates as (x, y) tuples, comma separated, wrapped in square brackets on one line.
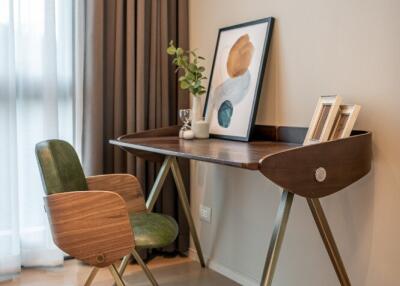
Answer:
[(36, 103)]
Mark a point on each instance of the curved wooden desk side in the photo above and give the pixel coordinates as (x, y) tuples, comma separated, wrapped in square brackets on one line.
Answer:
[(345, 161), (150, 156)]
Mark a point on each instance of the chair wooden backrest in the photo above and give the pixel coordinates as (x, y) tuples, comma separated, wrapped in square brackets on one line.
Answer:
[(92, 226), (126, 185)]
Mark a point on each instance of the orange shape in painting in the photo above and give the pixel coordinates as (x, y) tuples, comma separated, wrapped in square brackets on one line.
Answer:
[(240, 56)]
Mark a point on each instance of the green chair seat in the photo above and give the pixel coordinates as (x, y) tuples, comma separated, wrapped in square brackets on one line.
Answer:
[(153, 230)]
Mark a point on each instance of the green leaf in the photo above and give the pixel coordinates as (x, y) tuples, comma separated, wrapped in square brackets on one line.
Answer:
[(195, 90), (179, 51), (192, 67), (185, 59), (184, 85), (171, 50), (190, 76)]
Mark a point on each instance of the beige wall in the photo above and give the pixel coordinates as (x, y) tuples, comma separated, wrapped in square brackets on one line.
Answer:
[(351, 48)]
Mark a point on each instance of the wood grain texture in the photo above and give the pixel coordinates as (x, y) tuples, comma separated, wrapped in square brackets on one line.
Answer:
[(231, 153), (126, 185), (91, 226), (276, 151), (261, 133), (159, 132), (165, 131), (345, 161), (172, 271)]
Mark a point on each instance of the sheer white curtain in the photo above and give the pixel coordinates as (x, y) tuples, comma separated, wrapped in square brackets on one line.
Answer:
[(36, 103)]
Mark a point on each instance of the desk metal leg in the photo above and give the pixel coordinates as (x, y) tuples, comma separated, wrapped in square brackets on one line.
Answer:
[(170, 162), (281, 220), (329, 241), (186, 208), (156, 189)]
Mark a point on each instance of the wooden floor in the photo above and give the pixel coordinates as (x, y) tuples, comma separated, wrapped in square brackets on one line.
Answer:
[(176, 271)]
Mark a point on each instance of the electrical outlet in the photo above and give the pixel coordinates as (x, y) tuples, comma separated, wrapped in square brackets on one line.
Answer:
[(205, 214)]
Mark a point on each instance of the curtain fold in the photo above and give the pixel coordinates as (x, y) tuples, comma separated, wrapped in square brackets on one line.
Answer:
[(36, 103), (130, 86)]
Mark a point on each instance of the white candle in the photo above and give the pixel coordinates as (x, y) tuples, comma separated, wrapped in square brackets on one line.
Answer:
[(201, 129)]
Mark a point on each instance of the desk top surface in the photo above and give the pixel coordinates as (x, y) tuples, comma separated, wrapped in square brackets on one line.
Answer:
[(276, 152), (245, 155)]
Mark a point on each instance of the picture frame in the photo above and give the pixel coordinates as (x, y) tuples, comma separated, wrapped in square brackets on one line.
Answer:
[(236, 79), (323, 119), (344, 122)]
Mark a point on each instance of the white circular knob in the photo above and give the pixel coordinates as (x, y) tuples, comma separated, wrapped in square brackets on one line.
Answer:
[(320, 174)]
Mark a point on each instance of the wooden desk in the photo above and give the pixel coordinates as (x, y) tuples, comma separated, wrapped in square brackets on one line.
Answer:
[(310, 171)]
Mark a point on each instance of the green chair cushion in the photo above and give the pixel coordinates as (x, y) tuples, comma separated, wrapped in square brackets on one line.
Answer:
[(153, 230)]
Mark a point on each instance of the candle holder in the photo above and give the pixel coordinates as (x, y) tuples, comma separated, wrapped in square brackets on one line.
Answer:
[(201, 128)]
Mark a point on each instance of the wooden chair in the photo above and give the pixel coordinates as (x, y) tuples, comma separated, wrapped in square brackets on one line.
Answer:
[(100, 219)]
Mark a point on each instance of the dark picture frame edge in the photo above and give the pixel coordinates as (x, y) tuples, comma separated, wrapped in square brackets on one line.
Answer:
[(266, 47)]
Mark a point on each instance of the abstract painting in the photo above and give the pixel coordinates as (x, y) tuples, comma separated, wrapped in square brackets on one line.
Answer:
[(236, 78)]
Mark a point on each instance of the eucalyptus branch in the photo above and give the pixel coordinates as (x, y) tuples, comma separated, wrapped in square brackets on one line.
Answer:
[(193, 72)]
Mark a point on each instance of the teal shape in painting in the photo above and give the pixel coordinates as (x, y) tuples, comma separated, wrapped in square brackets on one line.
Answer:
[(225, 113)]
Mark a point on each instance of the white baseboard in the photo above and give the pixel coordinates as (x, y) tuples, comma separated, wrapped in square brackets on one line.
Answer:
[(225, 271)]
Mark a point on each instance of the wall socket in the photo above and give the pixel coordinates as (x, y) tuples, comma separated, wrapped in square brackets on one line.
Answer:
[(205, 214)]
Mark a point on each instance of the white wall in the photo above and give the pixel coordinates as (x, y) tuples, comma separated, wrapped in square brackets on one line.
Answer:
[(351, 48)]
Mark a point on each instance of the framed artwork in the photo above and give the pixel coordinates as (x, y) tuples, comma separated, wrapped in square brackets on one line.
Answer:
[(236, 78), (323, 119), (344, 122)]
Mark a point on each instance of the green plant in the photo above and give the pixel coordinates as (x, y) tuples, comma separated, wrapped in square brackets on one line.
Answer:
[(192, 71)]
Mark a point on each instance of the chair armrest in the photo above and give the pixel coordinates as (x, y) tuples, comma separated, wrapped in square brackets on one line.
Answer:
[(91, 226), (126, 185)]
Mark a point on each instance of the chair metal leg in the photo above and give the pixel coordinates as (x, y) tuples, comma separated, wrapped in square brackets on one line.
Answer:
[(281, 220), (91, 276), (156, 189), (124, 264), (146, 270), (329, 241), (186, 207), (117, 278)]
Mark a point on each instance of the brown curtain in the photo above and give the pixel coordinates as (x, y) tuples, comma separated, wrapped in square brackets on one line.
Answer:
[(130, 86)]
